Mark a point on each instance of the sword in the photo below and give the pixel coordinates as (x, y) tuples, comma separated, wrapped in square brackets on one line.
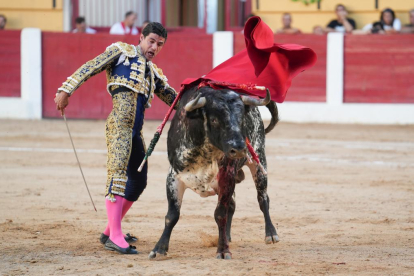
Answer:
[(80, 168)]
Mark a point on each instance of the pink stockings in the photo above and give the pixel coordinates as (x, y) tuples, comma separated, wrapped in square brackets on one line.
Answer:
[(116, 212)]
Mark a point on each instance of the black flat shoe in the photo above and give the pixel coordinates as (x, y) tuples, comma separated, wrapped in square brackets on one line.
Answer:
[(129, 238), (103, 238), (109, 245)]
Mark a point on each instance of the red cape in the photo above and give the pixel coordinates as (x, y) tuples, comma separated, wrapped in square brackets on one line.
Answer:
[(262, 63)]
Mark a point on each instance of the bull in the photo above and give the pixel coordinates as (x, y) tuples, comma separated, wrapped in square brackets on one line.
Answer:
[(207, 150)]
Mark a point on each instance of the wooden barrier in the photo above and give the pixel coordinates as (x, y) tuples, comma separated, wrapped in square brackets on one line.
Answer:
[(10, 63), (379, 69)]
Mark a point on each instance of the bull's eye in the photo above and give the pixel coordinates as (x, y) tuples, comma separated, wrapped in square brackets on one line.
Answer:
[(214, 122)]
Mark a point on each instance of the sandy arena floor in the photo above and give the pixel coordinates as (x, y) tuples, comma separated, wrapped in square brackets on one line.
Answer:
[(341, 198)]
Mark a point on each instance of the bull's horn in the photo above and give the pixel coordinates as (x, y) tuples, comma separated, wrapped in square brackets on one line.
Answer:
[(198, 102), (256, 102)]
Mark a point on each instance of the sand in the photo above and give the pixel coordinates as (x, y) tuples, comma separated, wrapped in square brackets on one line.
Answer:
[(341, 198)]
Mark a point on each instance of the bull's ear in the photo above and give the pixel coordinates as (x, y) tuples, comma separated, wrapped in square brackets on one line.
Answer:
[(195, 114)]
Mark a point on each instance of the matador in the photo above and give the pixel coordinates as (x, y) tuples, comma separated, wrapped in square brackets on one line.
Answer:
[(132, 81)]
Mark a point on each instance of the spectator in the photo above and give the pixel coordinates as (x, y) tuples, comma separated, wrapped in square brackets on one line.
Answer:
[(389, 23), (126, 26), (81, 26), (342, 23), (287, 25), (145, 24), (3, 21), (318, 30), (409, 28)]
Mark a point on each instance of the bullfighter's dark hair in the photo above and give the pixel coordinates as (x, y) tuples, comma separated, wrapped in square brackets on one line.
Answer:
[(155, 28), (392, 14)]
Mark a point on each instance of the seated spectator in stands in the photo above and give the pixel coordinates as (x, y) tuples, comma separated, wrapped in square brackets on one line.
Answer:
[(342, 24), (3, 21), (81, 26), (287, 25), (125, 27), (389, 22), (376, 28), (145, 24), (318, 30), (409, 28)]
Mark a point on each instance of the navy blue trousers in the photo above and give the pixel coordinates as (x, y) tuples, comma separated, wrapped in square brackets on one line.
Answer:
[(137, 181)]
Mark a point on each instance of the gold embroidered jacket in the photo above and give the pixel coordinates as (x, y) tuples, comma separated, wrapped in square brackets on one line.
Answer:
[(125, 66)]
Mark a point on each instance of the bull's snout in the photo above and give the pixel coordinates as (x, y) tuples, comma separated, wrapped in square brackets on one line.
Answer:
[(238, 151)]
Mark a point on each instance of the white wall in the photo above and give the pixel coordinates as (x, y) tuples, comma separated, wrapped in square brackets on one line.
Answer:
[(29, 105)]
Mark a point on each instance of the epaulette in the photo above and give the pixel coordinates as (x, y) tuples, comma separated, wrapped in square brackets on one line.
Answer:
[(127, 49), (158, 72)]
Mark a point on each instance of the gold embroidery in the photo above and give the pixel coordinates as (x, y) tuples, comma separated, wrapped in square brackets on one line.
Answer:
[(91, 68), (134, 66), (128, 49), (134, 75), (167, 98), (136, 81), (119, 126), (158, 72), (166, 93), (113, 87)]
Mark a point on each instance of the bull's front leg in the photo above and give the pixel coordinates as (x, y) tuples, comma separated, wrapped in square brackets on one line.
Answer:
[(260, 179), (226, 184), (175, 192)]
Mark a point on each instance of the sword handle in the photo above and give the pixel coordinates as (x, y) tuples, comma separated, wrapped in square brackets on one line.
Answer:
[(142, 164)]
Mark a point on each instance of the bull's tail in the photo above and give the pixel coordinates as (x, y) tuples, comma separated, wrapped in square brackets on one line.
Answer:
[(275, 116)]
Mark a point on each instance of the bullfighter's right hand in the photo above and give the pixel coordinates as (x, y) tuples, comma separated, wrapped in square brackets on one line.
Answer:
[(61, 101)]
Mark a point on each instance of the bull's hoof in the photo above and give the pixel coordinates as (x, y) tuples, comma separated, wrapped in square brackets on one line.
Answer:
[(223, 256), (152, 255), (272, 239)]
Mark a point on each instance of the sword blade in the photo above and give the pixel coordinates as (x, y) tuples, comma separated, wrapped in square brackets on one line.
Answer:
[(80, 168)]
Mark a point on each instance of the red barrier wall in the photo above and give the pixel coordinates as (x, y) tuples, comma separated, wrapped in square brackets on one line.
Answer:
[(379, 69), (308, 86), (10, 63), (183, 56)]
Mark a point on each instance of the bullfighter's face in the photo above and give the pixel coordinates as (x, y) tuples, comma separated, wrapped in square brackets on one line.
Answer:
[(151, 45)]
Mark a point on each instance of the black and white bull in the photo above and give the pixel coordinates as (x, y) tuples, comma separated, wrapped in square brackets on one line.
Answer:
[(207, 150)]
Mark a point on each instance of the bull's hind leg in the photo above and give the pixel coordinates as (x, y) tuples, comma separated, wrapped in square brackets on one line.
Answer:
[(260, 180), (175, 192), (226, 184)]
